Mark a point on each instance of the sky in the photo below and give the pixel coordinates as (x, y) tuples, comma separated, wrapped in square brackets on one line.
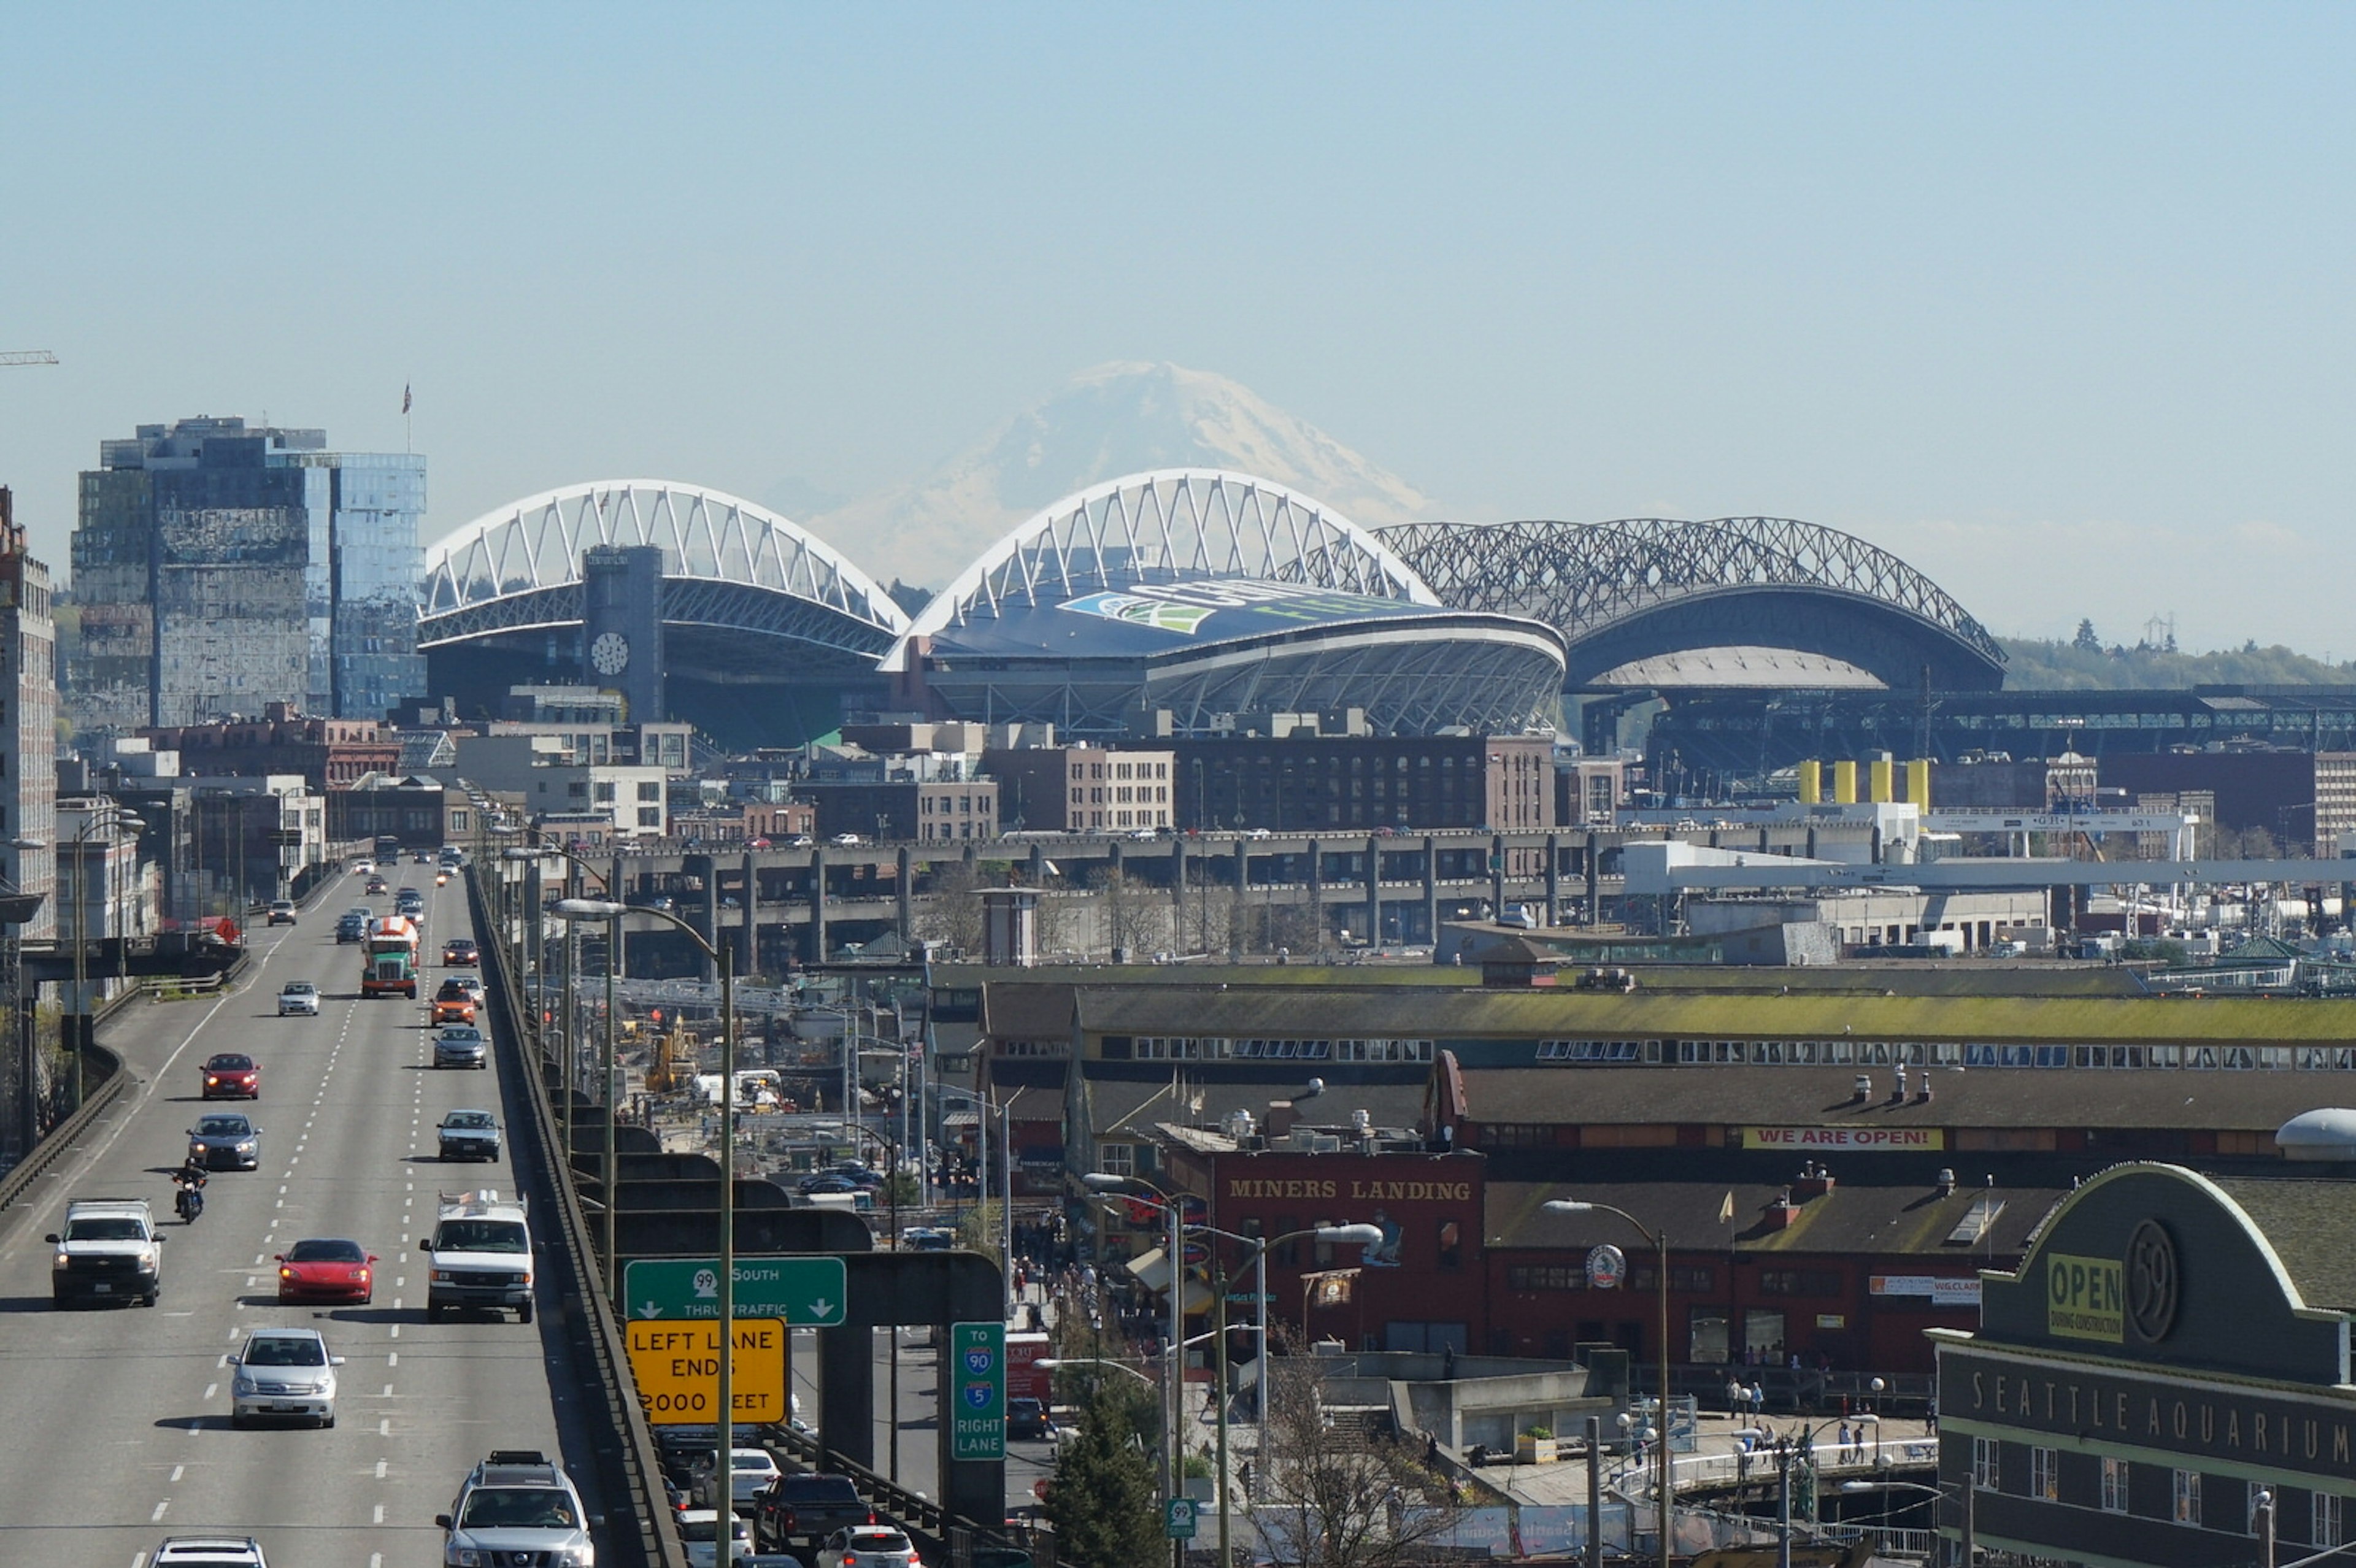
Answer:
[(2052, 302)]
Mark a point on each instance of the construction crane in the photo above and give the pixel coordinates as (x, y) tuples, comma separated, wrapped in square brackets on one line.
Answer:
[(27, 357)]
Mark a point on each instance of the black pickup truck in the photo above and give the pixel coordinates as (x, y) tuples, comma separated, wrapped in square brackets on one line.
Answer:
[(806, 1507)]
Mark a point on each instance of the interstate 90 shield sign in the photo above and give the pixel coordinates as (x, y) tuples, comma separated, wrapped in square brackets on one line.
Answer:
[(977, 1372)]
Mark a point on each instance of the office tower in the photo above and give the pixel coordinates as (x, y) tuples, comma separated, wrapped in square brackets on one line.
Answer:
[(219, 569), (29, 725)]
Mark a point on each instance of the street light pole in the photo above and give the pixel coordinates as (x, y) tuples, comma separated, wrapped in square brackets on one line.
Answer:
[(723, 956), (1666, 1492), (1173, 1470)]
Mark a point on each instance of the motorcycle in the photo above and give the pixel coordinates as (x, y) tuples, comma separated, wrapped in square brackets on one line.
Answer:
[(189, 1203)]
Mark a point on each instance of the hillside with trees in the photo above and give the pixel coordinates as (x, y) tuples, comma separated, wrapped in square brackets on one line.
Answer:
[(2087, 663)]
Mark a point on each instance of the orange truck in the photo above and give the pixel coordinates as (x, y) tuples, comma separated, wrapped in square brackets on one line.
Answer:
[(388, 958)]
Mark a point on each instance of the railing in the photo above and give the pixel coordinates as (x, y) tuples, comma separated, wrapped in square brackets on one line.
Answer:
[(44, 1153), (180, 987), (627, 1445)]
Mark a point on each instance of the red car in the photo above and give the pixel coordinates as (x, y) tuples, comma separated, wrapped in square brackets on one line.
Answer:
[(231, 1076), (324, 1270)]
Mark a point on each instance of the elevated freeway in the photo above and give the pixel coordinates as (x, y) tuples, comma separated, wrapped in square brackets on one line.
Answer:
[(122, 1414)]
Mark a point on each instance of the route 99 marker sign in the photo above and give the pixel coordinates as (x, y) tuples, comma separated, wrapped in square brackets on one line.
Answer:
[(676, 1366)]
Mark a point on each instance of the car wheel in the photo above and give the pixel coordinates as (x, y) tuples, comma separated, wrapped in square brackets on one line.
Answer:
[(433, 1313), (327, 1420), (150, 1300), (523, 1313)]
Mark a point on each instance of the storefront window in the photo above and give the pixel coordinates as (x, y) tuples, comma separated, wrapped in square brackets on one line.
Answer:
[(1762, 1335), (1984, 1465), (2044, 1479), (1706, 1325), (2187, 1497), (2115, 1486), (2325, 1520)]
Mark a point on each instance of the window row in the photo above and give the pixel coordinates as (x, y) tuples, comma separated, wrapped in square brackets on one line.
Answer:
[(2196, 1057), (1193, 1048), (2321, 1520)]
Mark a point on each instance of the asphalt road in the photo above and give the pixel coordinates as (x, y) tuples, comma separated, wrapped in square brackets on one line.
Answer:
[(120, 1415)]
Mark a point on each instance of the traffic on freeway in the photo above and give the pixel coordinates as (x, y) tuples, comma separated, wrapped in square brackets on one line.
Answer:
[(309, 1404)]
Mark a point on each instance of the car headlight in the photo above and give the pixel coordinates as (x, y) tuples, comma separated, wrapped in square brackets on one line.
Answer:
[(63, 1260), (441, 1276), (463, 1557), (240, 1384), (245, 1148)]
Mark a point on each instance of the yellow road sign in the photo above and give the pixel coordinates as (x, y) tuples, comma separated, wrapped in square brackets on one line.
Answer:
[(675, 1364)]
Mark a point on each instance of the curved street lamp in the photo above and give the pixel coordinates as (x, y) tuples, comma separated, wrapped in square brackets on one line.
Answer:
[(1666, 1494), (724, 957), (609, 1064)]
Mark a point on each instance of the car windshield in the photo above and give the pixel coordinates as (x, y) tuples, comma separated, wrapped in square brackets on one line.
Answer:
[(465, 1033), (102, 1229), (517, 1508), (242, 1063), (223, 1128), (468, 1119), (289, 1351), (322, 1252), (480, 1236), (452, 988), (300, 987)]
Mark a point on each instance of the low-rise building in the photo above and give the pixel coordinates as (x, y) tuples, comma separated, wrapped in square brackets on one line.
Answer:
[(329, 754), (540, 770), (1304, 781), (928, 810), (1075, 789)]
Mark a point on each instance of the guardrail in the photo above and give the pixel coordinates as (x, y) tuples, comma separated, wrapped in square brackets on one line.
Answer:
[(180, 987), (46, 1153), (627, 1445)]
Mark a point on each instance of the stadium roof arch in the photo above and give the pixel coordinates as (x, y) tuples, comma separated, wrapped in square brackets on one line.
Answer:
[(1653, 602), (744, 587), (1206, 593)]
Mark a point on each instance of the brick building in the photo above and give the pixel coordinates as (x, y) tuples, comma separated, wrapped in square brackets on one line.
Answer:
[(330, 753), (1075, 789), (1304, 783)]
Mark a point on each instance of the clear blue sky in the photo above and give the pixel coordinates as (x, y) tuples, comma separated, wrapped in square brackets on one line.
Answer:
[(2052, 301)]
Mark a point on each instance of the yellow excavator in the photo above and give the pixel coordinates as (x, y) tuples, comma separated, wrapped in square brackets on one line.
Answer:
[(673, 1067)]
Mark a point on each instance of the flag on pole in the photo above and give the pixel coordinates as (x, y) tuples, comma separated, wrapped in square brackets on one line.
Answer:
[(1726, 1209), (404, 397)]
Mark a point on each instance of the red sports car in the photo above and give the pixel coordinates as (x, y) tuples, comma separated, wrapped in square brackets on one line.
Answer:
[(321, 1270), (231, 1076)]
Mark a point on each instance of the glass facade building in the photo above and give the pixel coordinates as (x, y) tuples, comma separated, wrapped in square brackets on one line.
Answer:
[(219, 569)]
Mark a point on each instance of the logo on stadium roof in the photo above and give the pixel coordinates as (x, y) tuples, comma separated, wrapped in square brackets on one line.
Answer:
[(1140, 611)]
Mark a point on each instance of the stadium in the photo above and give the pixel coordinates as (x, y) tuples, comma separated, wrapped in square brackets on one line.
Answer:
[(1201, 593), (1205, 595)]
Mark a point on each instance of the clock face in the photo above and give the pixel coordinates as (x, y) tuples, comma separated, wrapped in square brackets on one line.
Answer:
[(610, 653)]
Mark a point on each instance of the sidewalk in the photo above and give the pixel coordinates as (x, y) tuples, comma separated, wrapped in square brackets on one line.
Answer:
[(1719, 1461)]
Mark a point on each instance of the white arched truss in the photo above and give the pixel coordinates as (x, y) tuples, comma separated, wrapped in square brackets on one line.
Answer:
[(1169, 526), (520, 567)]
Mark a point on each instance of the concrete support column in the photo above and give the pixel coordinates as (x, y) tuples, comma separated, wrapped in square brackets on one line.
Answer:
[(1178, 891), (1373, 890), (1431, 889), (1497, 875), (704, 914), (1317, 891), (906, 889), (1594, 882), (818, 906), (748, 945), (1554, 879), (846, 1392)]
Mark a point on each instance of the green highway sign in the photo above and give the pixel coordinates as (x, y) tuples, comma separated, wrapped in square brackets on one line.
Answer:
[(1178, 1519), (804, 1293), (977, 1363)]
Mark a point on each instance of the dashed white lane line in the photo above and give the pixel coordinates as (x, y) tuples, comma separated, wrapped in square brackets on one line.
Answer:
[(212, 1389), (178, 1471), (394, 1359), (384, 1427), (157, 1516), (380, 1514), (380, 1464)]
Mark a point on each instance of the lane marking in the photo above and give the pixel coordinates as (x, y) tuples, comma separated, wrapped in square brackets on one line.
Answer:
[(379, 1512), (212, 1389), (177, 1471), (157, 1516), (394, 1359), (384, 1429)]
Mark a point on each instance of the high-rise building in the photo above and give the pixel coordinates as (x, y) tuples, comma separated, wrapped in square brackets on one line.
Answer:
[(29, 725), (219, 569)]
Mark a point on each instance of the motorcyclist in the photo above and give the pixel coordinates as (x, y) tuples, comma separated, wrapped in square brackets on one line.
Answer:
[(190, 1181)]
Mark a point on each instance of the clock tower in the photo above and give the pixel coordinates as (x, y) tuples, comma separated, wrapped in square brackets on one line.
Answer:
[(621, 626)]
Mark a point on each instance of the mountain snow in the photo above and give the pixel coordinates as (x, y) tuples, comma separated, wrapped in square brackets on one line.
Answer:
[(1111, 420)]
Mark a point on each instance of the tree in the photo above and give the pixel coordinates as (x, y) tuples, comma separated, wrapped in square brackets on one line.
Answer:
[(1326, 1503), (1104, 1499), (2085, 641), (951, 910)]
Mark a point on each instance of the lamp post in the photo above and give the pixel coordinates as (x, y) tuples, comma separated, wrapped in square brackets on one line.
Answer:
[(1362, 1235), (1006, 1180), (1665, 1493), (1173, 1471), (724, 957), (110, 816), (610, 1064)]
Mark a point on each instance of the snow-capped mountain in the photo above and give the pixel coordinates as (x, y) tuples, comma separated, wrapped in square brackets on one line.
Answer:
[(1111, 420)]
